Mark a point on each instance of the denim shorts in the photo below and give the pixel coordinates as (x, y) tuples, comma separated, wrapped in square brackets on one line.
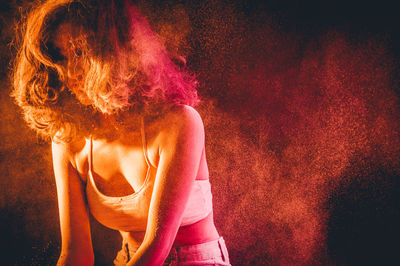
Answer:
[(209, 253)]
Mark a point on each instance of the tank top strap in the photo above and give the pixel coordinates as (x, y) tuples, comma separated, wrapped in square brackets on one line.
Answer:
[(90, 157), (144, 143)]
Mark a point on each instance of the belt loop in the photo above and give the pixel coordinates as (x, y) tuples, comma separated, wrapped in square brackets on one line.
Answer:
[(127, 252), (221, 247)]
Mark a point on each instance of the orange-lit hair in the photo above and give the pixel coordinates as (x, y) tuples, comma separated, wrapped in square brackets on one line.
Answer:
[(126, 67)]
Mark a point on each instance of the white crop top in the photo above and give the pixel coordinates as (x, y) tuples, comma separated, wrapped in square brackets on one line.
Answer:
[(129, 213)]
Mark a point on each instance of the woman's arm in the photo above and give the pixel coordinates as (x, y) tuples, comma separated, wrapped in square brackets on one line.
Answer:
[(76, 246), (180, 147)]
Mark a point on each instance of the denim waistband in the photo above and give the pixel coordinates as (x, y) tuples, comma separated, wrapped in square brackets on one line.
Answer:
[(199, 252)]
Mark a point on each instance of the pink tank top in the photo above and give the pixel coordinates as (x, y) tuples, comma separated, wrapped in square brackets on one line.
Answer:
[(129, 213)]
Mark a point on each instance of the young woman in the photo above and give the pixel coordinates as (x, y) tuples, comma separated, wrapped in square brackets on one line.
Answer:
[(127, 144)]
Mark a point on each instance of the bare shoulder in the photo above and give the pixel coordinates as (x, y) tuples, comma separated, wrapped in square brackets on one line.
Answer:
[(66, 151), (179, 124), (182, 118)]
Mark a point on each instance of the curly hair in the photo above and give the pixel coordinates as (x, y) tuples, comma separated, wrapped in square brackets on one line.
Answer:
[(126, 67)]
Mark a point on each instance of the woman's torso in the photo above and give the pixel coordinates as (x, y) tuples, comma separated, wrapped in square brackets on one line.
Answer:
[(119, 169)]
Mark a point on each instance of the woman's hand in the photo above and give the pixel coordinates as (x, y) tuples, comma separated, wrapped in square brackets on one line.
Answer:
[(74, 219), (180, 144)]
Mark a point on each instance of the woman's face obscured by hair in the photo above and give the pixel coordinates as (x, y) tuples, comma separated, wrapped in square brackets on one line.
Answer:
[(71, 45)]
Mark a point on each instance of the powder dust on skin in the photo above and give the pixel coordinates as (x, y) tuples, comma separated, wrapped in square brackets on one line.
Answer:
[(287, 118)]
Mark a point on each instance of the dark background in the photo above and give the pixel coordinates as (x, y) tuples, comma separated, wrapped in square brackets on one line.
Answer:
[(301, 111)]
